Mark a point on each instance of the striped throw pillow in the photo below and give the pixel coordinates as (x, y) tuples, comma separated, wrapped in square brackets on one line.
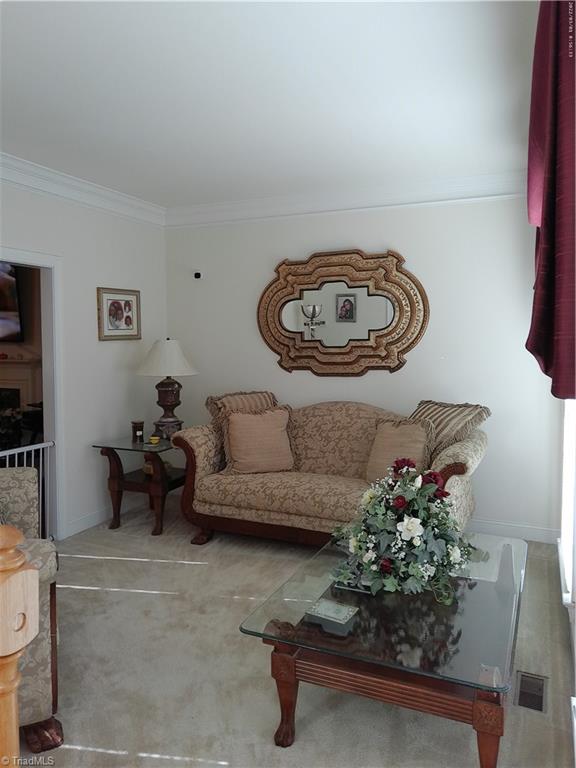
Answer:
[(452, 421)]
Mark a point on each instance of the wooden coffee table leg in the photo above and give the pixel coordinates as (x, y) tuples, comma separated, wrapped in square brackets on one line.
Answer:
[(115, 484), (488, 722), (158, 490), (284, 673)]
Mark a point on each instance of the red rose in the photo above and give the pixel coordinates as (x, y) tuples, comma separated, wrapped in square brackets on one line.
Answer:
[(386, 565), (400, 464), (433, 477), (440, 493), (399, 502)]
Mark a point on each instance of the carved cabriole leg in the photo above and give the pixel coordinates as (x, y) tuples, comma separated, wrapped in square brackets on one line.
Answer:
[(488, 722), (284, 673), (158, 490), (115, 480)]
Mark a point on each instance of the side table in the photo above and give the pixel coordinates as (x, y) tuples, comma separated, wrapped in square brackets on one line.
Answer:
[(156, 486)]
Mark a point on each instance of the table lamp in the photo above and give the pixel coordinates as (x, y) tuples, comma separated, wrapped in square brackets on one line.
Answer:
[(167, 359)]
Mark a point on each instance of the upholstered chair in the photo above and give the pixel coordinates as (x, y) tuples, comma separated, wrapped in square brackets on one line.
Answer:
[(38, 691)]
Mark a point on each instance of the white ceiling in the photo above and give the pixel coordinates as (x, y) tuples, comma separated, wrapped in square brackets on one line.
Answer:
[(200, 103)]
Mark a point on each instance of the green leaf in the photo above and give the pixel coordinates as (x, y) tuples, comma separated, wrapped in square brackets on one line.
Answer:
[(390, 584), (412, 585), (437, 547)]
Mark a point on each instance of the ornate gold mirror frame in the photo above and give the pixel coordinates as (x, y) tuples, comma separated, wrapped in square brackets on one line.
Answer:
[(383, 275)]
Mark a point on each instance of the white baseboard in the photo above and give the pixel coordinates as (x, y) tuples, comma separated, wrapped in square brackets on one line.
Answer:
[(99, 516), (514, 530)]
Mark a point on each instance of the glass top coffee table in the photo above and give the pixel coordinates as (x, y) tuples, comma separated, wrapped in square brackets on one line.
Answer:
[(453, 661)]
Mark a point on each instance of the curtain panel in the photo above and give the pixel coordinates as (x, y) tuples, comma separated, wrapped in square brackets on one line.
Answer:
[(551, 200)]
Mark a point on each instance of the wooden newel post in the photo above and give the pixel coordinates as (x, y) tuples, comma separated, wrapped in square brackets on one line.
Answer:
[(18, 626)]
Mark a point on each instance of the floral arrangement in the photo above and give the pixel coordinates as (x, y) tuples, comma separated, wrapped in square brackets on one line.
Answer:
[(405, 539)]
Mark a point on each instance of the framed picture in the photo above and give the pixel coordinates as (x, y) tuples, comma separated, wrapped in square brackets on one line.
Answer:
[(118, 314), (345, 307)]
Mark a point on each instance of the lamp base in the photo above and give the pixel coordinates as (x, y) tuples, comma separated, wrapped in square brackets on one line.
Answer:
[(168, 399)]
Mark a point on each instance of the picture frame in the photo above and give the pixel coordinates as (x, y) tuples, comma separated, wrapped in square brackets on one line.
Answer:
[(118, 314), (346, 309)]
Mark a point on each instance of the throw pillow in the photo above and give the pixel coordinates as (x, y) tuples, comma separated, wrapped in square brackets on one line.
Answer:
[(259, 442), (242, 402), (400, 439), (452, 421)]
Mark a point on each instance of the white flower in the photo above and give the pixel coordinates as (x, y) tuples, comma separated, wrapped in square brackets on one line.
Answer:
[(410, 527), (455, 555), (369, 556), (416, 541), (373, 567), (368, 496), (353, 544), (409, 657), (427, 570), (418, 482)]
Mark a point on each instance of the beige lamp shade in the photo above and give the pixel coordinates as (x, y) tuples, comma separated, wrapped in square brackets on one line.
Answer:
[(166, 359)]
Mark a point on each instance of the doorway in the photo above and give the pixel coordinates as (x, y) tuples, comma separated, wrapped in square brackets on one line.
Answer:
[(30, 374)]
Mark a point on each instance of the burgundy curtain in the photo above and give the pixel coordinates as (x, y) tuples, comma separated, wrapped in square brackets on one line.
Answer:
[(551, 200)]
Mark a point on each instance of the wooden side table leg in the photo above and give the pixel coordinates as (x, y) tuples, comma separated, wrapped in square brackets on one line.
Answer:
[(284, 673), (488, 722), (158, 502), (158, 490), (115, 484)]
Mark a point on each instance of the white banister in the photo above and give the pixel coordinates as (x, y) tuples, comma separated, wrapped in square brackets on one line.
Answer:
[(37, 456)]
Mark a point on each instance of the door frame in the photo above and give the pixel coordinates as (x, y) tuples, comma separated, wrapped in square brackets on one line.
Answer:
[(51, 270)]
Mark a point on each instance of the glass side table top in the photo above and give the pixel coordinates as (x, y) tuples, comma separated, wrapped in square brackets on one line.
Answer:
[(126, 444), (469, 642)]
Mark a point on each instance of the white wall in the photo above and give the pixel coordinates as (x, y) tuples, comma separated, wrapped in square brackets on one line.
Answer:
[(101, 393), (475, 260)]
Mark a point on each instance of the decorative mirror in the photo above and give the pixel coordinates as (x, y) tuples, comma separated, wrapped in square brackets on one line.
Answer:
[(343, 313)]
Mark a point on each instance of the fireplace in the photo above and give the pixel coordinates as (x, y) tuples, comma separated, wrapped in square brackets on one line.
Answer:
[(10, 418)]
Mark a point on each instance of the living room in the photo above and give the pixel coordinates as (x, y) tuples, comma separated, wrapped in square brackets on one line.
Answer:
[(170, 157)]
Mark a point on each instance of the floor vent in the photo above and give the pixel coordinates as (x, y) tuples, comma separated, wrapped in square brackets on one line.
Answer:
[(531, 691)]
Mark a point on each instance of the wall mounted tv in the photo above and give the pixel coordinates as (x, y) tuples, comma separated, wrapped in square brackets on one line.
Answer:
[(10, 310)]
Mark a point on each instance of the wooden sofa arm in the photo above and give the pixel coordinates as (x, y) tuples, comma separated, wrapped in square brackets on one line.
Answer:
[(461, 458), (202, 447)]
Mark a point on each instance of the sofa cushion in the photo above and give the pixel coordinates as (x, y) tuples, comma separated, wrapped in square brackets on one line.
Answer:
[(19, 491), (335, 438), (41, 553), (238, 402), (259, 442), (298, 493), (398, 439), (452, 421)]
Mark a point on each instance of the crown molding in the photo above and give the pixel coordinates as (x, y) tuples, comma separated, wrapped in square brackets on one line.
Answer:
[(23, 173), (416, 192)]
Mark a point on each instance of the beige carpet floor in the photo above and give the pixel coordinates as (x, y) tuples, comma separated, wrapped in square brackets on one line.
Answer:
[(154, 672)]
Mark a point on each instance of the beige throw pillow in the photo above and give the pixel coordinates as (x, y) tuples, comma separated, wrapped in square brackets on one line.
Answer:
[(259, 442), (245, 402), (400, 439)]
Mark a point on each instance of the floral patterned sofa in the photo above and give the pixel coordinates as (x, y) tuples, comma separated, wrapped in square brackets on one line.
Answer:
[(38, 691), (331, 443)]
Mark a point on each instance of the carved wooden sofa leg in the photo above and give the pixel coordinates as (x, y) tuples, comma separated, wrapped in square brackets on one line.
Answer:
[(44, 735), (202, 536)]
